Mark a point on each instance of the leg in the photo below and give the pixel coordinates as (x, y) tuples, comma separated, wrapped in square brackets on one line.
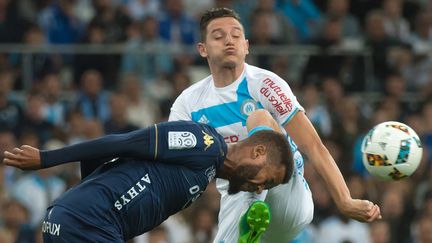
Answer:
[(60, 225), (231, 210), (292, 209), (254, 222)]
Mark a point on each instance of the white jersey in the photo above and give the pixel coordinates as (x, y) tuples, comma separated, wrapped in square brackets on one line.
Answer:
[(227, 109)]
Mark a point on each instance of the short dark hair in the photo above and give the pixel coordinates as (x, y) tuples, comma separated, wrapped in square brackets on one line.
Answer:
[(212, 14), (278, 149)]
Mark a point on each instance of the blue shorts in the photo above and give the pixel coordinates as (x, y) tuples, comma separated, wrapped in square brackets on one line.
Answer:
[(62, 225)]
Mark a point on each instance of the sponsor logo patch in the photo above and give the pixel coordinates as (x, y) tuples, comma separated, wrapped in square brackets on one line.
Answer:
[(181, 140), (208, 140), (275, 95)]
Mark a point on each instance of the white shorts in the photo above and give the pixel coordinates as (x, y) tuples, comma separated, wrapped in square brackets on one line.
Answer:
[(291, 207)]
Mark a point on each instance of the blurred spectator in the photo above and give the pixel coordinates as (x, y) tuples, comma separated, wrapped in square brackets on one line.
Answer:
[(337, 229), (93, 128), (196, 8), (395, 86), (75, 127), (153, 64), (392, 209), (422, 36), (323, 205), (60, 24), (107, 65), (422, 229), (337, 64), (178, 226), (141, 111), (12, 24), (261, 36), (158, 235), (180, 81), (316, 110), (427, 117), (304, 15), (203, 225), (380, 43), (15, 226), (395, 24), (244, 9), (10, 112), (36, 191), (83, 10), (391, 106), (350, 26), (34, 118), (42, 63), (175, 26), (380, 232), (357, 186), (334, 95), (7, 143), (279, 28), (140, 9), (55, 109), (113, 20), (118, 122), (93, 101)]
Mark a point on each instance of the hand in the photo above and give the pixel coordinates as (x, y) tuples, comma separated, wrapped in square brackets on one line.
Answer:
[(361, 210), (26, 158)]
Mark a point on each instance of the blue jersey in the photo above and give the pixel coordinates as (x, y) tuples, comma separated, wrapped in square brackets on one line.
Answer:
[(160, 171)]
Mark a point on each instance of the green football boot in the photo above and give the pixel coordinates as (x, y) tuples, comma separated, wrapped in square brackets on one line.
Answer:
[(254, 222)]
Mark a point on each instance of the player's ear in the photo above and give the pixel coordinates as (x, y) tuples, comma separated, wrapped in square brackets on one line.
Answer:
[(259, 150), (202, 49)]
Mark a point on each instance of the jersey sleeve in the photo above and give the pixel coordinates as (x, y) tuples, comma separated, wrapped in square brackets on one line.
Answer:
[(135, 144), (277, 97), (189, 144), (179, 110)]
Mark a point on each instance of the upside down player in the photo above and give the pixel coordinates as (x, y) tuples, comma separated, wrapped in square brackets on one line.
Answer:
[(225, 99), (149, 175)]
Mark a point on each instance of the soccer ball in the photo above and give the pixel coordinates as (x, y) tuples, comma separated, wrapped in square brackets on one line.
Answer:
[(391, 151)]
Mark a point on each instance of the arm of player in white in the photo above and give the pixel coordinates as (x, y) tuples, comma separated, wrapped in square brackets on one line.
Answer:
[(301, 130), (262, 117)]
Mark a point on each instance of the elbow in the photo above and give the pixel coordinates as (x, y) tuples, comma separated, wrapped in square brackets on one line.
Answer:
[(313, 148)]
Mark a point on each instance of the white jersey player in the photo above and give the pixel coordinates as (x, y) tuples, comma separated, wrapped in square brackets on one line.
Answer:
[(227, 109), (224, 100)]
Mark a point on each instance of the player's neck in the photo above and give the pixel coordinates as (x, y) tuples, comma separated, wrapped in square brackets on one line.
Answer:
[(229, 163), (224, 76)]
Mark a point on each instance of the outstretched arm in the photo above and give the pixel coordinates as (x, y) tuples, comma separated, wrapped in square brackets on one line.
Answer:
[(133, 144), (304, 135)]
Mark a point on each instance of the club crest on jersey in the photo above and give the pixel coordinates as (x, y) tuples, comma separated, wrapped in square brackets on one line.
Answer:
[(181, 140), (248, 106), (208, 140)]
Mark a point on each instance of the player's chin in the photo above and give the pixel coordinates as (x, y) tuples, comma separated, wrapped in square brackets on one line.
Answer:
[(233, 189), (230, 62)]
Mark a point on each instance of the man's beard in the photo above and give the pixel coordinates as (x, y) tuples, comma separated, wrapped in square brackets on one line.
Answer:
[(241, 175)]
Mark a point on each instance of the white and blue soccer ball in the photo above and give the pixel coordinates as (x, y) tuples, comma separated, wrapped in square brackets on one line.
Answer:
[(391, 151)]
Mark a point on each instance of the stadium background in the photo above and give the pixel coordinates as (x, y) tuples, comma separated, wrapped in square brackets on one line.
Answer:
[(72, 70)]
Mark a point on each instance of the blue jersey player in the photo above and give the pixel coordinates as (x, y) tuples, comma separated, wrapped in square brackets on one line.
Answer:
[(132, 182)]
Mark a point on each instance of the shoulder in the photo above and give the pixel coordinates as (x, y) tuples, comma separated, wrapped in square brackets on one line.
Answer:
[(255, 74), (198, 87)]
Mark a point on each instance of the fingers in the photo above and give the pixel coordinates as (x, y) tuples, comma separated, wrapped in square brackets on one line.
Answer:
[(374, 213), (13, 158), (11, 162)]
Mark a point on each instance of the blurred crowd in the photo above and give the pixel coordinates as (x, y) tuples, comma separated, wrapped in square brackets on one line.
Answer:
[(69, 98)]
